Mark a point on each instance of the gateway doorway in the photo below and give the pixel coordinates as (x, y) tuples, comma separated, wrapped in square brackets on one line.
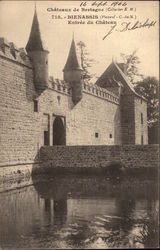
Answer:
[(59, 135)]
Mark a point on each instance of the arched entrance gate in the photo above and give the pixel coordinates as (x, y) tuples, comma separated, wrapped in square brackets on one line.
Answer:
[(59, 133)]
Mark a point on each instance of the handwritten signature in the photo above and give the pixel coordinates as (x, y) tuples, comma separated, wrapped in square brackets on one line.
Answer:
[(124, 26)]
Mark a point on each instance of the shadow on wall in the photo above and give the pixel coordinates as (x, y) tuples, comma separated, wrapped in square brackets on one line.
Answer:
[(45, 163), (153, 134), (31, 91), (117, 128), (62, 160)]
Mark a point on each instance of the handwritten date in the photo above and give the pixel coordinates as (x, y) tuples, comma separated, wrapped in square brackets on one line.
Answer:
[(103, 3)]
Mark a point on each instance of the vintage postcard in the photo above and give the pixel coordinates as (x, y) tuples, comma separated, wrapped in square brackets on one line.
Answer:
[(79, 120)]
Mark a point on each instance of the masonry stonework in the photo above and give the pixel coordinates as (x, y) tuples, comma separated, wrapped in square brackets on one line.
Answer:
[(130, 156)]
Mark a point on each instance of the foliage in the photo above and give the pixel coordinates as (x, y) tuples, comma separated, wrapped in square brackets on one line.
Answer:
[(86, 61), (149, 88), (131, 62)]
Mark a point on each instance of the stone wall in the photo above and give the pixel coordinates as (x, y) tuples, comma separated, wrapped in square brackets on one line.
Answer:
[(22, 129), (128, 118), (19, 125), (134, 120), (131, 156), (91, 115), (142, 160), (95, 120), (141, 129)]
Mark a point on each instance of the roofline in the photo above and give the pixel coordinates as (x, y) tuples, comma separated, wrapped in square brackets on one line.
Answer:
[(66, 70), (44, 50), (127, 80)]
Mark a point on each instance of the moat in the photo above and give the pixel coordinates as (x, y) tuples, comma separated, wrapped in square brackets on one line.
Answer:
[(77, 212)]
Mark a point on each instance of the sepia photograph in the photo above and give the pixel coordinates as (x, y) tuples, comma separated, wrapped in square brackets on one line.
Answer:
[(79, 124)]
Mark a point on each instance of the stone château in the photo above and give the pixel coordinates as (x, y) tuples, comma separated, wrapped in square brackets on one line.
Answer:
[(38, 110)]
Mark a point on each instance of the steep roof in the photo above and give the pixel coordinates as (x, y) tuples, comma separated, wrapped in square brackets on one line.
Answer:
[(72, 61), (119, 68), (107, 79), (35, 41), (129, 84)]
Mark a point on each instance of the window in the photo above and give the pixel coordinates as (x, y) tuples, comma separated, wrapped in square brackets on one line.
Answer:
[(59, 99), (35, 106), (46, 128), (142, 139), (96, 135), (110, 135), (46, 138), (141, 118)]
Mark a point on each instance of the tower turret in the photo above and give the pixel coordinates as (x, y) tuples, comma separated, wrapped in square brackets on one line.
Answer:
[(72, 73), (38, 55)]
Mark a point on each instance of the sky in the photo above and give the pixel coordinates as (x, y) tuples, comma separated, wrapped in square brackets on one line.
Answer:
[(16, 19)]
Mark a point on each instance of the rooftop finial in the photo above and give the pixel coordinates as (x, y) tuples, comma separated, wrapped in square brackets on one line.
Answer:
[(72, 60), (73, 35), (114, 59), (35, 6), (35, 42)]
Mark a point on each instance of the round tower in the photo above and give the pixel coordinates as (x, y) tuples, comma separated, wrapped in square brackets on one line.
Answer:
[(72, 73), (38, 55)]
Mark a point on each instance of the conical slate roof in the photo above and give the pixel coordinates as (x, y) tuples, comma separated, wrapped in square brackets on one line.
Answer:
[(72, 61), (35, 41)]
